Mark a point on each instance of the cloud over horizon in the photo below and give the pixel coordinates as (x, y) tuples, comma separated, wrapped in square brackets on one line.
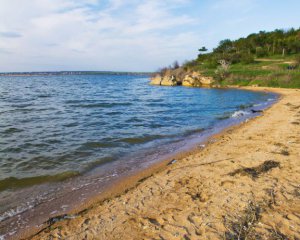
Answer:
[(49, 35)]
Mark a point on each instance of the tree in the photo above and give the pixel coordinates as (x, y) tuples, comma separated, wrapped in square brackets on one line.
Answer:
[(203, 49), (223, 69), (175, 65)]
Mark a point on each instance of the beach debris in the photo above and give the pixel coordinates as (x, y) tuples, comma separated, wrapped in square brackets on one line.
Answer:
[(172, 162), (254, 172), (153, 221), (53, 212), (56, 219), (144, 178), (243, 227), (256, 111), (202, 145), (284, 152), (296, 192), (276, 234)]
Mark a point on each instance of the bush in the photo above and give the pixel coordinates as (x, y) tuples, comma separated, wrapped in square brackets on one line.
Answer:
[(223, 70), (297, 60), (247, 58), (202, 57), (261, 52), (175, 65), (234, 58), (211, 63)]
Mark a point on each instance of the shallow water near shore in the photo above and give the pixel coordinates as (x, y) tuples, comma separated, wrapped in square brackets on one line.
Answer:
[(63, 138)]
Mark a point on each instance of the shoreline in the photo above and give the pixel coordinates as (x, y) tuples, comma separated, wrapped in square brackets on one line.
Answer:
[(132, 179), (131, 183)]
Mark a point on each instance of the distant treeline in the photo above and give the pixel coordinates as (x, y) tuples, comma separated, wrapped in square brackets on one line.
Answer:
[(256, 45)]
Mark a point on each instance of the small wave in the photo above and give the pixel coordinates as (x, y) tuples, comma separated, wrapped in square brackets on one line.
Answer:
[(97, 163), (44, 96), (11, 150), (154, 125), (257, 105), (90, 145), (139, 140), (21, 105), (223, 117), (244, 106), (23, 207), (134, 119), (12, 130), (193, 131), (13, 182), (73, 124), (240, 113), (13, 212), (113, 113), (100, 105), (157, 104)]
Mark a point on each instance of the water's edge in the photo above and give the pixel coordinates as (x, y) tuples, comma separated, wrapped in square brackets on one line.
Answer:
[(115, 184)]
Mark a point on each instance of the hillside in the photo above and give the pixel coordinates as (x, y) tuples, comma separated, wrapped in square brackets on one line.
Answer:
[(265, 59), (269, 72)]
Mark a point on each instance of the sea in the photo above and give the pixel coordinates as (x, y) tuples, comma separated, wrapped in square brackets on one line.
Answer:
[(64, 137)]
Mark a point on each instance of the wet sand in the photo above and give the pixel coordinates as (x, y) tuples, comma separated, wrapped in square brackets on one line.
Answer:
[(245, 183)]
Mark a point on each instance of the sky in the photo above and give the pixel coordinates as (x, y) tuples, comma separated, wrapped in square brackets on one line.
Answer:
[(127, 35)]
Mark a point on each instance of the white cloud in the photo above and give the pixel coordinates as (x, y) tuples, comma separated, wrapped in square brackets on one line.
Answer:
[(93, 35), (10, 34)]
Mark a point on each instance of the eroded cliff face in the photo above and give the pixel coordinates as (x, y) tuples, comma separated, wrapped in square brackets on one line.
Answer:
[(187, 79), (195, 79)]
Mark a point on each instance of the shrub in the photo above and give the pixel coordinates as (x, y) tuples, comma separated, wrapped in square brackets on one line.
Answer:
[(175, 65), (247, 58), (232, 57), (211, 63), (297, 60), (261, 52), (223, 70)]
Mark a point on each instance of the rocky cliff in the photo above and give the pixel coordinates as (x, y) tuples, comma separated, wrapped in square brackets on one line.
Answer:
[(178, 77)]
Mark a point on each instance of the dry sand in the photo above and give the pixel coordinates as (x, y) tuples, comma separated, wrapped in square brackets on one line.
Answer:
[(245, 184)]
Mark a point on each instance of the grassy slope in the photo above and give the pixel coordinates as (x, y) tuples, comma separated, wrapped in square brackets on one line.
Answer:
[(271, 72)]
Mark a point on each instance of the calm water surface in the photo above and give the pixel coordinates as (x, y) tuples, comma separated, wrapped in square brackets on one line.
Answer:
[(55, 127)]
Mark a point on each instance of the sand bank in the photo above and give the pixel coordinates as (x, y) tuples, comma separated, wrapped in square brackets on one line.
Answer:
[(245, 183)]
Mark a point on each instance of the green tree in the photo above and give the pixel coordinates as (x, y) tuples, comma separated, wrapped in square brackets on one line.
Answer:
[(203, 49)]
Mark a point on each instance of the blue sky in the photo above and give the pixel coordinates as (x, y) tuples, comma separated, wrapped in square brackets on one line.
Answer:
[(132, 35)]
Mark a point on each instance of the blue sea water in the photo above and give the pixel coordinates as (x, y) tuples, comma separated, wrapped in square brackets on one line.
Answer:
[(56, 127), (52, 125)]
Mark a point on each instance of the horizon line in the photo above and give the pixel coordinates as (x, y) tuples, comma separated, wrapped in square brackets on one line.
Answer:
[(67, 72)]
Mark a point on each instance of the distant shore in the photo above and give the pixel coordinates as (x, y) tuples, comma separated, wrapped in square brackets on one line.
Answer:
[(243, 182), (55, 73)]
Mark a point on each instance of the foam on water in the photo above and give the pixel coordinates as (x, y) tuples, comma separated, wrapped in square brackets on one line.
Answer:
[(239, 113)]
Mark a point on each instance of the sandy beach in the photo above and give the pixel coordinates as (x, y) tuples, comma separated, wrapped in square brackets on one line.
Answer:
[(243, 184)]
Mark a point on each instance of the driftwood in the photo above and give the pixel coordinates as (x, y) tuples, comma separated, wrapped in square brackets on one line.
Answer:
[(256, 111)]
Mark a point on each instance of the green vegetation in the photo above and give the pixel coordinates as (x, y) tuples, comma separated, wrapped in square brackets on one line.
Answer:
[(265, 59)]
